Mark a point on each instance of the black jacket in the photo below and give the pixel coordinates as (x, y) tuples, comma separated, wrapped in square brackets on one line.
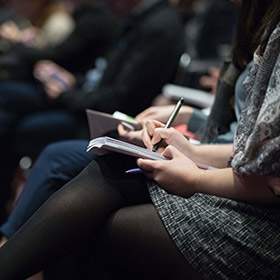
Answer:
[(218, 25), (143, 60), (95, 31)]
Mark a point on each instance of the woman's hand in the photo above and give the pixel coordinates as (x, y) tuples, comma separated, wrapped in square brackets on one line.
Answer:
[(131, 136), (162, 113), (154, 131), (54, 78), (211, 81), (179, 175)]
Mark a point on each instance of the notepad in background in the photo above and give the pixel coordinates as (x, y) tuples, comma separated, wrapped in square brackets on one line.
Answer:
[(194, 97), (124, 117), (101, 123)]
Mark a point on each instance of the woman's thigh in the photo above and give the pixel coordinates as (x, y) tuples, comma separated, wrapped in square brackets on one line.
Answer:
[(139, 247)]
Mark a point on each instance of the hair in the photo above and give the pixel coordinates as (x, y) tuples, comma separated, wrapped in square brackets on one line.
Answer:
[(269, 23), (257, 20)]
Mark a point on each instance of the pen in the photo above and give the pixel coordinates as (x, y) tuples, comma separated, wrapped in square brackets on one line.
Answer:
[(134, 170), (170, 120)]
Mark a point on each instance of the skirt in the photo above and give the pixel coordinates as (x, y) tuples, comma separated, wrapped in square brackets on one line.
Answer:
[(222, 238)]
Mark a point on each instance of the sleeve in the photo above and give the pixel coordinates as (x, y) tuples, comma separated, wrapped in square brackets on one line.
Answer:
[(196, 120), (140, 68)]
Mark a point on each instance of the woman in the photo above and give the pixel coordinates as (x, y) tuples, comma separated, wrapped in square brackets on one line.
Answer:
[(225, 222)]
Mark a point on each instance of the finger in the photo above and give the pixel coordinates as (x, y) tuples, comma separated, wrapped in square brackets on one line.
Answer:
[(206, 81), (146, 139), (215, 72), (163, 134), (121, 130), (146, 164), (148, 130), (151, 125), (170, 152), (52, 89)]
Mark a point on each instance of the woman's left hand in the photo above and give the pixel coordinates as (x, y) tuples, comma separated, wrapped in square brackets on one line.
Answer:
[(179, 175)]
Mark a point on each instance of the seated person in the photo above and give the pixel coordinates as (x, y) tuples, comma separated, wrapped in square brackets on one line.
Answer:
[(134, 75), (45, 23), (60, 162), (95, 29), (209, 35), (175, 220)]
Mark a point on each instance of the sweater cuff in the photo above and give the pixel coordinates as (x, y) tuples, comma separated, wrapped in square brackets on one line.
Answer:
[(196, 120)]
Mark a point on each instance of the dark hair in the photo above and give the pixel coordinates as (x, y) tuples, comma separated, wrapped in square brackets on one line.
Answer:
[(257, 20), (269, 22)]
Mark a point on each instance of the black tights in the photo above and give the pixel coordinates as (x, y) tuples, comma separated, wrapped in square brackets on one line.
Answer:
[(101, 198)]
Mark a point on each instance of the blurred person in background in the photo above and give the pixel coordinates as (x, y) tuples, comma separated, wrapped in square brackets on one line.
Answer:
[(208, 34), (44, 23), (173, 222), (141, 61), (95, 28)]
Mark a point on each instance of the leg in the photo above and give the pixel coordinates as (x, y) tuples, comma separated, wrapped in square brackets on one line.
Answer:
[(16, 100), (139, 247), (72, 215), (57, 164), (37, 130), (8, 164)]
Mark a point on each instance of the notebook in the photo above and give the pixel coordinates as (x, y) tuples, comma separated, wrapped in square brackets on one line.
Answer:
[(101, 123), (104, 145)]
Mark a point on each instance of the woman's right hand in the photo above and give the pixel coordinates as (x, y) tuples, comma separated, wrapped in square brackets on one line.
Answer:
[(154, 131)]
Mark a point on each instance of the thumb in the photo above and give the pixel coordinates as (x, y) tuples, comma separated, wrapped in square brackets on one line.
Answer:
[(170, 152), (146, 164)]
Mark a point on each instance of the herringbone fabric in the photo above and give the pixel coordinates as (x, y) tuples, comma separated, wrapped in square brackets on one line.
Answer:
[(222, 238)]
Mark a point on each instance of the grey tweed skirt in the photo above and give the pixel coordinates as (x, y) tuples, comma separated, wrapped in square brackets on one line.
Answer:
[(222, 238)]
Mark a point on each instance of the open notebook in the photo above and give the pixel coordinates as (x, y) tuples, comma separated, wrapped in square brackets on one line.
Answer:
[(103, 145)]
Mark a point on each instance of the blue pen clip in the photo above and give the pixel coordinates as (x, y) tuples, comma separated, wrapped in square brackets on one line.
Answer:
[(134, 171)]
